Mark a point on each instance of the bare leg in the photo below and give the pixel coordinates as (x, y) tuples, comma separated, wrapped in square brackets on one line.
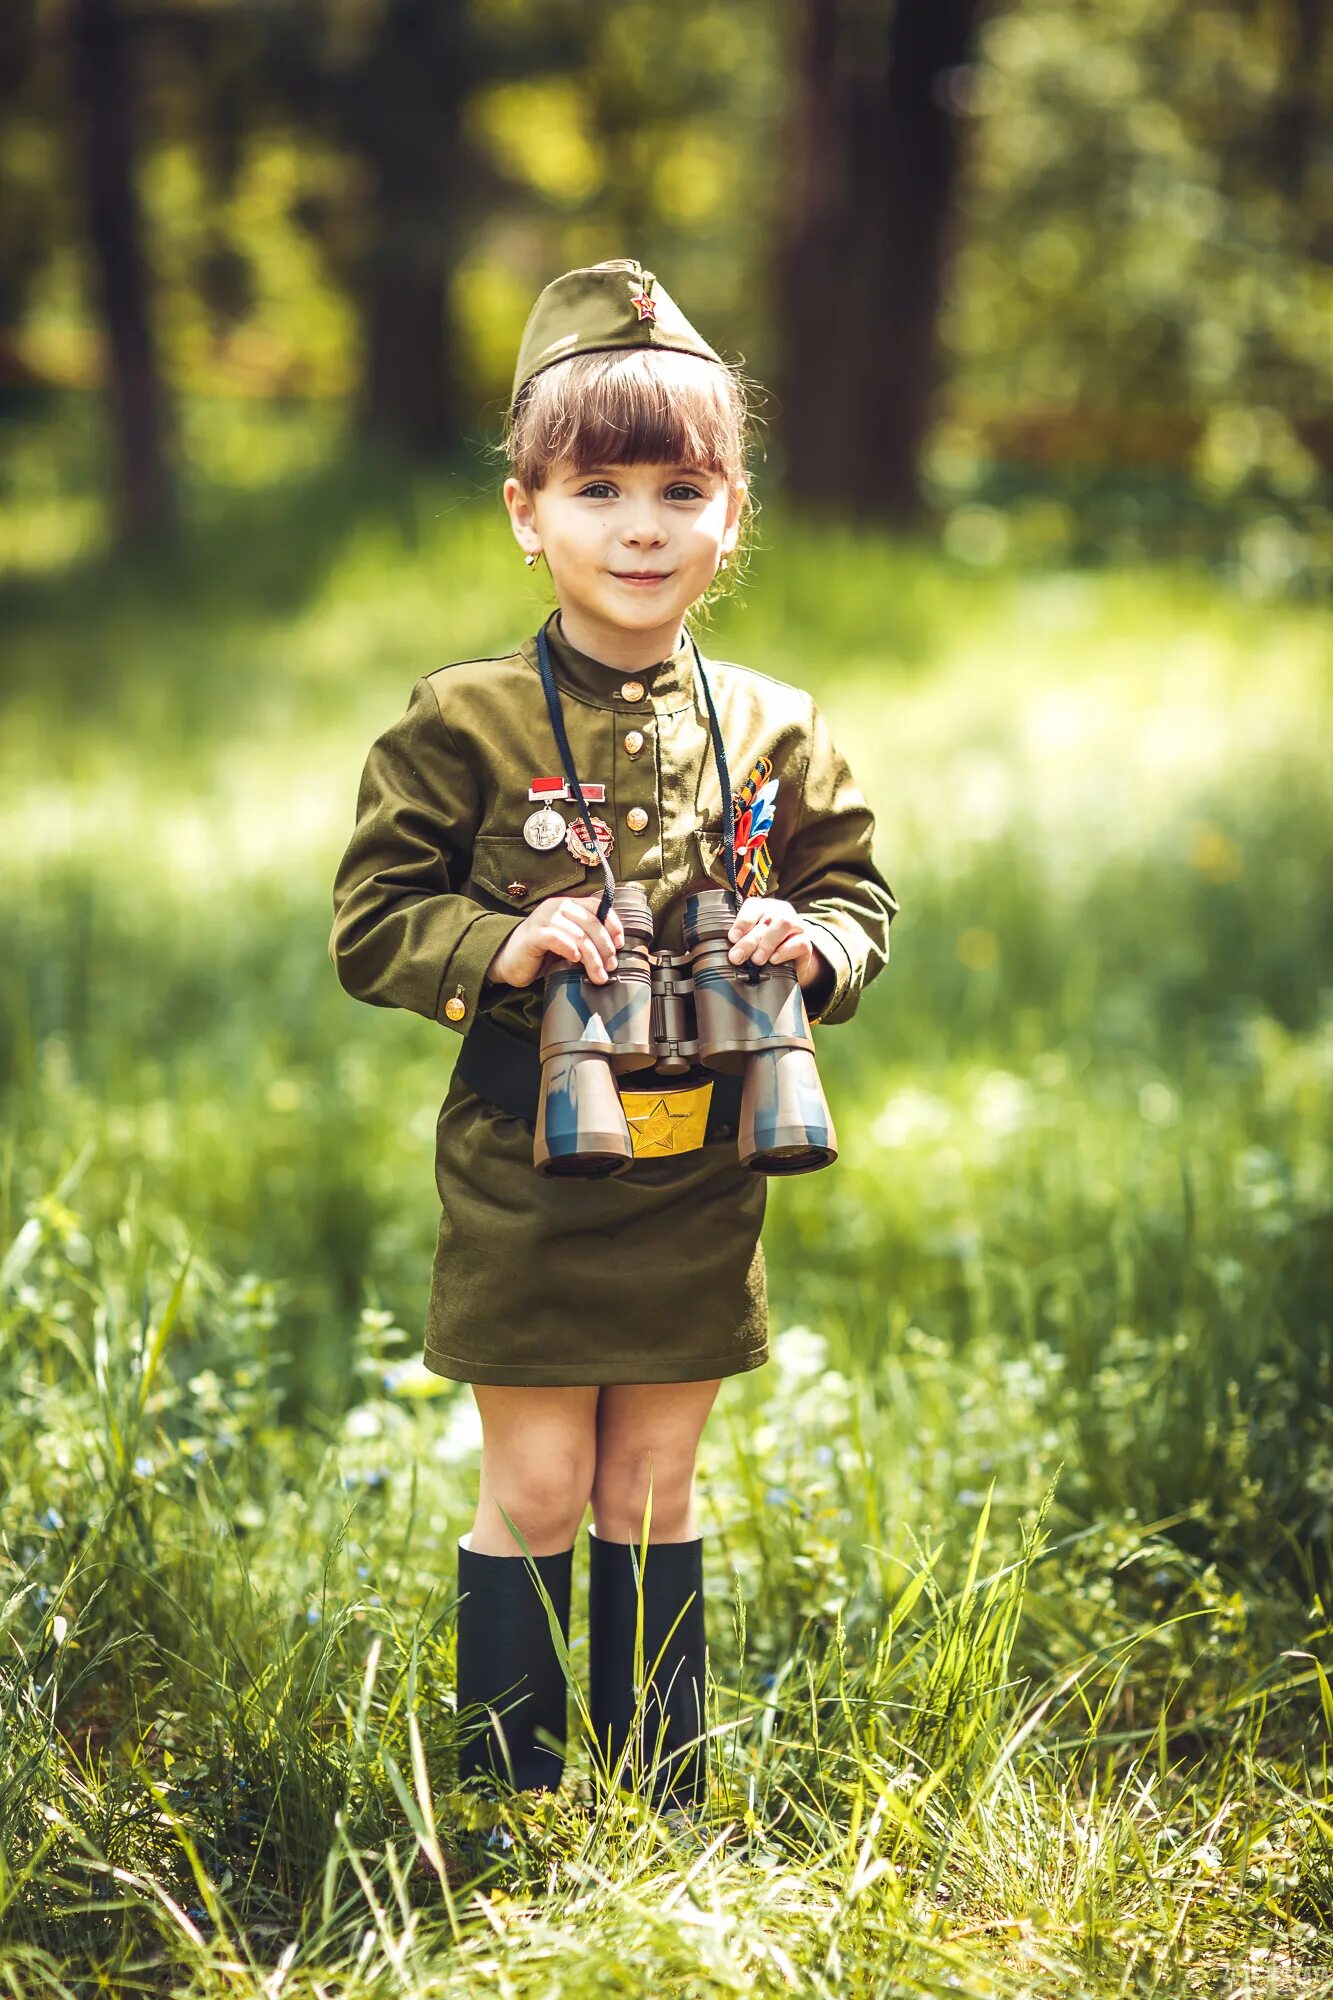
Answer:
[(649, 1431), (643, 1427), (537, 1458)]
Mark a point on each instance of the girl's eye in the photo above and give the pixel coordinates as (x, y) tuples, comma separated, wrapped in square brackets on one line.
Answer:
[(683, 492), (596, 489)]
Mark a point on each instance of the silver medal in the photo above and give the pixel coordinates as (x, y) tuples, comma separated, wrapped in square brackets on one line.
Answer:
[(544, 829)]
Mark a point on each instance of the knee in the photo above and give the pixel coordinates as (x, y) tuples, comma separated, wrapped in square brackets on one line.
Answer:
[(544, 1493), (620, 1492)]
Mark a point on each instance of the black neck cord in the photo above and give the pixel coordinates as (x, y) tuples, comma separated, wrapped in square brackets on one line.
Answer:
[(724, 781), (571, 775)]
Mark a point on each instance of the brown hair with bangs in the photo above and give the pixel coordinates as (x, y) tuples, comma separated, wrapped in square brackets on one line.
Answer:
[(631, 406)]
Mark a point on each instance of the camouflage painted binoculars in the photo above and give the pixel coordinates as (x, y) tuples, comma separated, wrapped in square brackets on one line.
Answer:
[(670, 1011)]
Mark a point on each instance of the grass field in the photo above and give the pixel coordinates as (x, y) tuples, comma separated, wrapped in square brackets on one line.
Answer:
[(1018, 1551)]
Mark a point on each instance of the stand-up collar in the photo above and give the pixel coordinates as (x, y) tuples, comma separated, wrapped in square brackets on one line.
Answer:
[(666, 686)]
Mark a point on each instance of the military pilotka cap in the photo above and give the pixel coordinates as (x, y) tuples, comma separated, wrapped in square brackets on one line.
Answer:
[(603, 306)]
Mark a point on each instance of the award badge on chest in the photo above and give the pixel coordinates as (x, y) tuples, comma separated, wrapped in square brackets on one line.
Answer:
[(546, 828)]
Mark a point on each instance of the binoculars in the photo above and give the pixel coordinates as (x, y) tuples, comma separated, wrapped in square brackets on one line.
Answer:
[(670, 1011)]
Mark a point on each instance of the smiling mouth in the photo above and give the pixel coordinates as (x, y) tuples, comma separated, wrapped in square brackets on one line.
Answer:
[(641, 575)]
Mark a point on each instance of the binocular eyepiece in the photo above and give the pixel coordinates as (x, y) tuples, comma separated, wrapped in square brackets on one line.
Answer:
[(668, 1012)]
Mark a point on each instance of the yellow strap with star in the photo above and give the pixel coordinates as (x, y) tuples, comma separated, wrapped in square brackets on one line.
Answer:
[(663, 1123)]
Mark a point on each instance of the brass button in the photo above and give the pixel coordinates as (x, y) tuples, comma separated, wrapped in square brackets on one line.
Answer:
[(634, 742), (454, 1008), (631, 691), (636, 819)]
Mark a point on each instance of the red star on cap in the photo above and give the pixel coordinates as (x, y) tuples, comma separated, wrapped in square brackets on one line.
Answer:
[(643, 305)]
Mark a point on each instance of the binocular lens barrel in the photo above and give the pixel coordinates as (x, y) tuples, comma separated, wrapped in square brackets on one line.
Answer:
[(589, 1032), (581, 1130), (785, 1123)]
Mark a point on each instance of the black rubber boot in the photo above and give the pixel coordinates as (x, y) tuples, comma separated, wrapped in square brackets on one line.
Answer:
[(673, 1594), (507, 1659)]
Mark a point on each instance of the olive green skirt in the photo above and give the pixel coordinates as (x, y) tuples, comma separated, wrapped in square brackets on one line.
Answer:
[(654, 1275)]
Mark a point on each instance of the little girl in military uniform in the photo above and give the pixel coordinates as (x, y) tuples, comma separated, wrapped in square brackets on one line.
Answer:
[(595, 1318)]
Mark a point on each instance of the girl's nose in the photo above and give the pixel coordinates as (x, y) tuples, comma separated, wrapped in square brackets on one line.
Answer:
[(647, 528)]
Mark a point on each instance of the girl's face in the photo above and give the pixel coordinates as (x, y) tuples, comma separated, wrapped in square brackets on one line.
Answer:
[(630, 547)]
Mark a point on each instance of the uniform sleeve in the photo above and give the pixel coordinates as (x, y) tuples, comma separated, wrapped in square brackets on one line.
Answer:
[(402, 935), (829, 875)]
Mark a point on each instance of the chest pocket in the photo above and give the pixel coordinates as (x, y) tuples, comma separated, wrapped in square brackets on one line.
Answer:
[(510, 875)]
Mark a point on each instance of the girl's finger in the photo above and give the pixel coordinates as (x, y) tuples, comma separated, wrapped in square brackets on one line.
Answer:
[(762, 938), (586, 916), (570, 942), (592, 961), (765, 951), (747, 925), (567, 939)]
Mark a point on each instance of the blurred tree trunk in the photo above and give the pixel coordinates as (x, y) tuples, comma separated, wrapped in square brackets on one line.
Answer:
[(409, 387), (101, 92), (404, 121), (1299, 104), (872, 166)]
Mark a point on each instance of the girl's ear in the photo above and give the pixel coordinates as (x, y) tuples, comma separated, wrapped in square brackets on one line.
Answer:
[(522, 517), (735, 501)]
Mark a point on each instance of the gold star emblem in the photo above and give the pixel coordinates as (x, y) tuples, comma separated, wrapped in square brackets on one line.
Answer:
[(655, 1130), (643, 305), (662, 1123)]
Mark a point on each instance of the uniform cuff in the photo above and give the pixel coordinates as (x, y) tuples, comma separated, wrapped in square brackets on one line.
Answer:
[(831, 948), (465, 990)]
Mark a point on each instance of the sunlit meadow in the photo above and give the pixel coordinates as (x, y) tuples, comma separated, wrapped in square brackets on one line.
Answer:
[(1018, 1552)]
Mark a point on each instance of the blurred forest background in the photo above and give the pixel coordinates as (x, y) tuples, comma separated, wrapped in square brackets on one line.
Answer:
[(1020, 1550)]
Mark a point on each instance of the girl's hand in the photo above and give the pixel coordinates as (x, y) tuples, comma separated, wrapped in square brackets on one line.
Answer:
[(562, 930), (771, 932)]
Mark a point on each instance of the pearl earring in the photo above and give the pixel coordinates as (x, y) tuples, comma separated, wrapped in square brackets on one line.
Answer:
[(531, 559)]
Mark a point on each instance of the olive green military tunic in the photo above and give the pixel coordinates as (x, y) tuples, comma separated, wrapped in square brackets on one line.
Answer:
[(657, 1274)]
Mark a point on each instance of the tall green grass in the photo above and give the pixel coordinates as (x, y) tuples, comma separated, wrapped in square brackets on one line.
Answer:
[(944, 1752)]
